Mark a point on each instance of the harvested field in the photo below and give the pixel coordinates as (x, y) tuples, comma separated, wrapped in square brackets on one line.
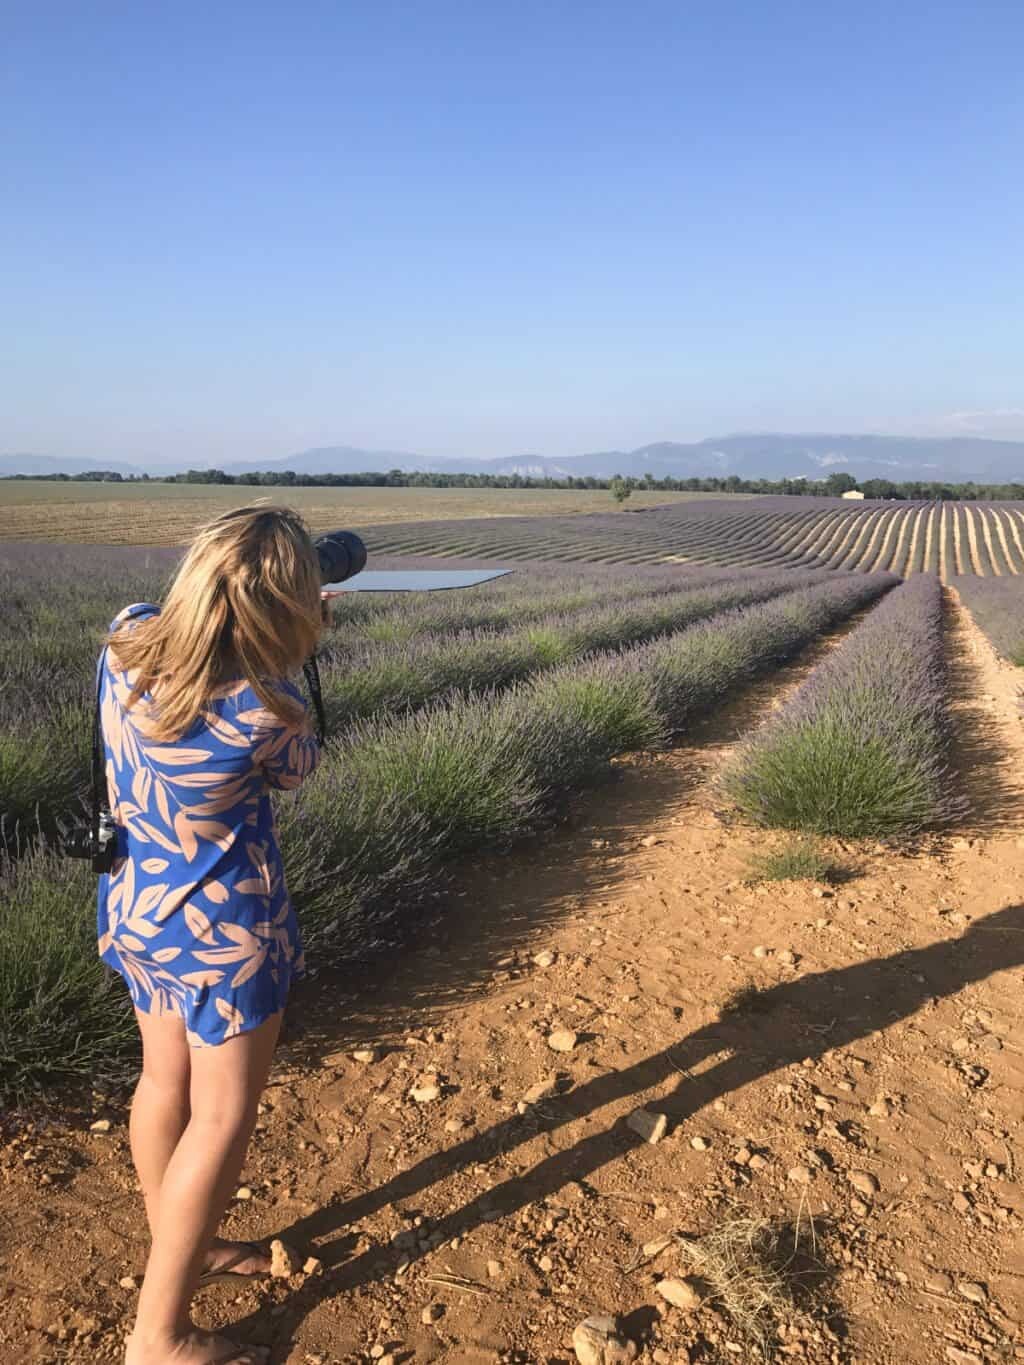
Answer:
[(153, 513)]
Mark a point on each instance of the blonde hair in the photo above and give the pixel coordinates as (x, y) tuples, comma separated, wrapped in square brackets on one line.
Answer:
[(244, 603)]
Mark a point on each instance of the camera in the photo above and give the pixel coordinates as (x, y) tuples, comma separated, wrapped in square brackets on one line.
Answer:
[(97, 842), (341, 554)]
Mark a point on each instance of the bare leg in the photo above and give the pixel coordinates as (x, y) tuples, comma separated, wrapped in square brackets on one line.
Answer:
[(160, 1113), (160, 1109), (226, 1083)]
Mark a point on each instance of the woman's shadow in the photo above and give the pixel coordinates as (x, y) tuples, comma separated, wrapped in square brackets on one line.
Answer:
[(781, 1026)]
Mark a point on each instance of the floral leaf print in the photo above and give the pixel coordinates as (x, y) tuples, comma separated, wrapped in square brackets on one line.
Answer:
[(148, 898), (225, 731), (234, 1017), (216, 891), (142, 927), (250, 968), (177, 757), (161, 802), (143, 830), (166, 954), (141, 783), (154, 866), (172, 902), (197, 922)]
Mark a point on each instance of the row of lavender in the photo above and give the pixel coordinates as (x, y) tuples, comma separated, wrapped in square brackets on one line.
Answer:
[(396, 651), (396, 797), (997, 606), (862, 747)]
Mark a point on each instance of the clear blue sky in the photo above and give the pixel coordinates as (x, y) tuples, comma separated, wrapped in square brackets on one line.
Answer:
[(237, 230)]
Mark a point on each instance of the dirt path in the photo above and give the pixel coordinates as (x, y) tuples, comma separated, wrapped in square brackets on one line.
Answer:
[(793, 1034)]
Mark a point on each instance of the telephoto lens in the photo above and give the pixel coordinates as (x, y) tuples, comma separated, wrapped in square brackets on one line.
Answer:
[(341, 554)]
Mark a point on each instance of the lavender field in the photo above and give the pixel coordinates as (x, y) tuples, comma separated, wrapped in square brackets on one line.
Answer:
[(459, 721)]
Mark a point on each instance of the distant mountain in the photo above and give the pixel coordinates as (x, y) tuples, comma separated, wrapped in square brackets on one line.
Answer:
[(59, 464), (751, 456)]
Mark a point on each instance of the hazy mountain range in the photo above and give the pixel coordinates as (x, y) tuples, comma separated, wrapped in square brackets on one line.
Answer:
[(753, 456)]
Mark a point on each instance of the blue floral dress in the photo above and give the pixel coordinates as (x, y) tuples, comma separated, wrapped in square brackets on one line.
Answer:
[(195, 914)]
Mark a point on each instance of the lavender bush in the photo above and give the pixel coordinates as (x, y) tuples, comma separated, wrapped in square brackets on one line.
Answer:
[(860, 750), (487, 769), (997, 606)]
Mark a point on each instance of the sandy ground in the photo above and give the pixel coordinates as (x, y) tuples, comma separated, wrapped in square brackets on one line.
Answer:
[(867, 1089)]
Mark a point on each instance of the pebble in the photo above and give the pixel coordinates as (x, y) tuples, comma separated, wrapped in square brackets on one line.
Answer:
[(972, 1291), (800, 1175), (864, 1183), (100, 1126), (958, 1357), (284, 1260), (762, 951), (649, 841), (562, 1040), (787, 957), (546, 1264), (243, 1192), (699, 1144), (648, 1124), (425, 1094), (543, 1090), (881, 1109), (939, 1282), (544, 959), (128, 1282), (366, 1055), (598, 1341), (493, 1269), (433, 1312), (312, 1266), (757, 1162), (683, 1293)]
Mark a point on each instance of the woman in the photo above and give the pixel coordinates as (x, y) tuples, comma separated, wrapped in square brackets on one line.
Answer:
[(199, 722)]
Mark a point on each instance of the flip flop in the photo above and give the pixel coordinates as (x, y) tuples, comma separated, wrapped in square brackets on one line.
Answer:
[(225, 1274)]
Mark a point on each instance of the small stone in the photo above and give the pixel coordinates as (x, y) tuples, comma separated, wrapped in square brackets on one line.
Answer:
[(685, 1293), (787, 957), (425, 1094), (562, 1040), (972, 1291), (546, 1264), (958, 1357), (366, 1056), (284, 1260), (128, 1282), (743, 1156), (493, 1269), (858, 1208), (544, 959), (598, 1341), (864, 1183), (100, 1126), (939, 1282), (649, 841), (312, 1265), (800, 1175), (762, 951), (823, 1104), (647, 1124), (243, 1192), (881, 1109), (655, 1248), (699, 1144), (962, 1202), (757, 1162), (433, 1312)]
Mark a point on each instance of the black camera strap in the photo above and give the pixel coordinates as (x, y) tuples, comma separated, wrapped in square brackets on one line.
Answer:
[(311, 672)]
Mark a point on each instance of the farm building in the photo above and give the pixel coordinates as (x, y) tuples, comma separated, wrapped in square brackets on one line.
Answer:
[(854, 495)]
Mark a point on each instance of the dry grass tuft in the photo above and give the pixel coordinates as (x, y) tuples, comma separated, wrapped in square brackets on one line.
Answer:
[(752, 1266)]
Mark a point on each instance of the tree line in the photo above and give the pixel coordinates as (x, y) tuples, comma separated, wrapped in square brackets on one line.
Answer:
[(621, 486)]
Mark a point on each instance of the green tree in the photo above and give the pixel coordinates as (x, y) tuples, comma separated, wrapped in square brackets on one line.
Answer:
[(838, 484), (620, 489)]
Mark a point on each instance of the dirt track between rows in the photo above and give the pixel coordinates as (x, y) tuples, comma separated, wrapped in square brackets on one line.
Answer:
[(884, 1039)]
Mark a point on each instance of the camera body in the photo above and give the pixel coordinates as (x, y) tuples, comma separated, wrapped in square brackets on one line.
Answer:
[(96, 842)]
